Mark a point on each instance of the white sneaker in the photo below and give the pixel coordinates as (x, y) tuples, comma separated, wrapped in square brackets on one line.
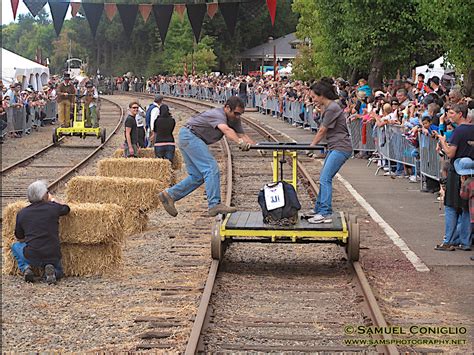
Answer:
[(320, 219), (386, 168), (388, 173), (413, 179)]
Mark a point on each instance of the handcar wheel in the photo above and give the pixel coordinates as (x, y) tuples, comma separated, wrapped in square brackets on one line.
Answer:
[(353, 243), (55, 136), (102, 135), (217, 249)]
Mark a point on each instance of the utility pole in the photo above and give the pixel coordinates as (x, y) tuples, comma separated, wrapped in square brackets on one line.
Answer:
[(275, 69)]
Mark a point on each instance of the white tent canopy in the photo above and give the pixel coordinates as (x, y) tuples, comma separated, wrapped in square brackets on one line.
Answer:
[(16, 68), (435, 68)]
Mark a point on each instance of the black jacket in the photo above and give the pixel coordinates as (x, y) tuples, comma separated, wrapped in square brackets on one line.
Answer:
[(38, 225)]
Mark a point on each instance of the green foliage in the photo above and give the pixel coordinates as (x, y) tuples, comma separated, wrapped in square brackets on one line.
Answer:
[(453, 22), (143, 52), (374, 38)]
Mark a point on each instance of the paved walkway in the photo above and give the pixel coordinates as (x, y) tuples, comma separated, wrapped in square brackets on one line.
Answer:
[(414, 215)]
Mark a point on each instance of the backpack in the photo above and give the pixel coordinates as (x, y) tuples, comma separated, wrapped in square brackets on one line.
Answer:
[(148, 115), (279, 204)]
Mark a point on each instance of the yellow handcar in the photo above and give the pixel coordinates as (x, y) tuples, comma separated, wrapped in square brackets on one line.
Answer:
[(249, 226)]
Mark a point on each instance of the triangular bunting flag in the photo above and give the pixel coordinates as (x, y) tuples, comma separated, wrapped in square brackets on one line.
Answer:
[(93, 13), (75, 6), (58, 12), (212, 9), (179, 8), (35, 6), (230, 11), (14, 7), (272, 8), (110, 10), (128, 15), (196, 16), (145, 10), (163, 15)]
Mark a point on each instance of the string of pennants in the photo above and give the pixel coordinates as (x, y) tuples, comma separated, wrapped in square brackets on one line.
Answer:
[(128, 13)]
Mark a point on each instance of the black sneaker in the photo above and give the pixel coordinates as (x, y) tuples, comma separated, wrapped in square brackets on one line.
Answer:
[(29, 275), (50, 274)]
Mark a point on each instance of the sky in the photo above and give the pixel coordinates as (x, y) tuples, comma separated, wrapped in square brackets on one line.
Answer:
[(7, 13)]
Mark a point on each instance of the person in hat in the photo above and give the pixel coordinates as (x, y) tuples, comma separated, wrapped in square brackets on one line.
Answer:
[(465, 168), (65, 99), (91, 97), (37, 234)]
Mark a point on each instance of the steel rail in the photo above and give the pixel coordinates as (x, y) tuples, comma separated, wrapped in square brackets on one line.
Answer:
[(372, 305), (30, 157)]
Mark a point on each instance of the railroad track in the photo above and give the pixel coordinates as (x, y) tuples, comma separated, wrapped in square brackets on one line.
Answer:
[(271, 297), (55, 163)]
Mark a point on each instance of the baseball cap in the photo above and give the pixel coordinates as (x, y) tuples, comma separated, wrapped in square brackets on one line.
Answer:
[(464, 166)]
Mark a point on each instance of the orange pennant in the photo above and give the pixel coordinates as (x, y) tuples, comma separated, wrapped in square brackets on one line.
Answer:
[(145, 10), (179, 8), (75, 6), (110, 10), (212, 9)]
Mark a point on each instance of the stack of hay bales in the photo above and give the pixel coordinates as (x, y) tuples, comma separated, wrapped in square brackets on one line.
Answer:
[(91, 238), (150, 153), (136, 196)]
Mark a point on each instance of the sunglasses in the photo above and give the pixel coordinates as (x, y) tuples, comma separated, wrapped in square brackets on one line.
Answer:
[(134, 107), (237, 113)]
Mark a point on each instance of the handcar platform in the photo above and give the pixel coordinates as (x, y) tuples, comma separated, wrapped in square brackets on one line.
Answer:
[(250, 224)]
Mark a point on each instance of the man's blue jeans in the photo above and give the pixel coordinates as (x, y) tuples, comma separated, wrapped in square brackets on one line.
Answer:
[(457, 227), (333, 162), (201, 167), (23, 263)]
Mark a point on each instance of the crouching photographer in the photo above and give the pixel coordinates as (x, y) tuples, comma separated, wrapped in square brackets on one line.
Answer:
[(37, 231)]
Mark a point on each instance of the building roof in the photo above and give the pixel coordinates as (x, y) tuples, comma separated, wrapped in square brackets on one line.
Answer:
[(283, 45)]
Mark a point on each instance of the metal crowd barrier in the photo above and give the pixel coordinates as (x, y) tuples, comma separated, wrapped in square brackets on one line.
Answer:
[(430, 161), (16, 119), (50, 111), (361, 135)]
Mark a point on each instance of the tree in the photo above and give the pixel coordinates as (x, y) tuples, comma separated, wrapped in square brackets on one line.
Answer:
[(453, 22), (370, 38)]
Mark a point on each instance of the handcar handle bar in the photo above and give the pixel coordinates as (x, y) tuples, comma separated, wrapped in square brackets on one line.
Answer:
[(287, 146)]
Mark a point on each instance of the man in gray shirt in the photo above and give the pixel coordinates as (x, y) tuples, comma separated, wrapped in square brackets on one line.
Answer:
[(200, 131)]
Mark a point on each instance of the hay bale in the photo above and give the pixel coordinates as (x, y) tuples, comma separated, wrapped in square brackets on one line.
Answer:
[(92, 223), (176, 164), (90, 260), (77, 260), (133, 194), (87, 223), (142, 153), (135, 222), (145, 168), (9, 220)]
